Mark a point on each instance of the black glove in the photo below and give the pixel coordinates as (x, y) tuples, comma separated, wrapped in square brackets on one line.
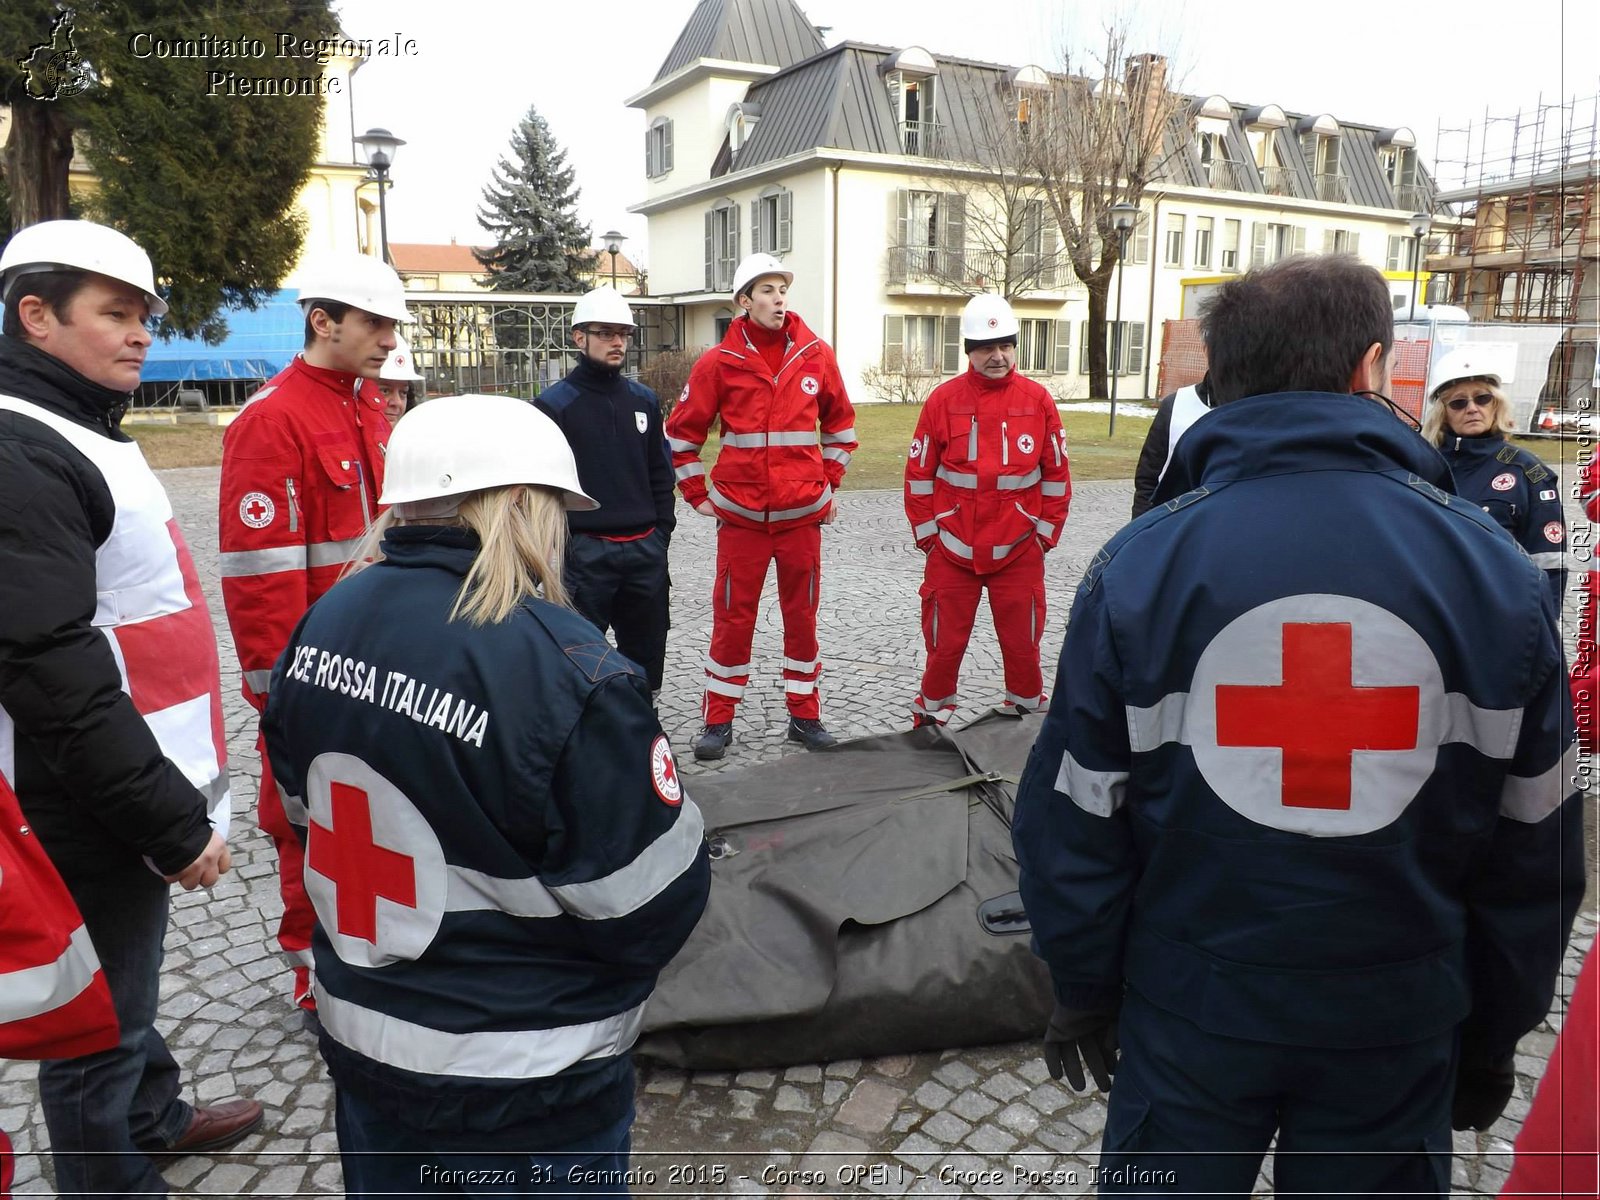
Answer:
[(1072, 1034), (1482, 1093)]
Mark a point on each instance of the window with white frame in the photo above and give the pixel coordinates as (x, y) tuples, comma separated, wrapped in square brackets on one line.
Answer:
[(922, 344), (1230, 244), (1402, 255), (658, 148), (1341, 241), (928, 236), (1273, 240), (1172, 255), (1139, 240), (1202, 241), (1124, 347), (722, 245), (770, 221)]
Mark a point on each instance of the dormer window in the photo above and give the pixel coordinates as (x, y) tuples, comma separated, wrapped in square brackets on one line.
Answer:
[(1030, 85), (911, 76), (742, 118), (1397, 158), (1319, 142)]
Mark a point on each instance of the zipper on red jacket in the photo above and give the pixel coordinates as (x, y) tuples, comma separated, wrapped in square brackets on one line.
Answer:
[(1005, 446), (361, 482), (972, 440), (294, 506)]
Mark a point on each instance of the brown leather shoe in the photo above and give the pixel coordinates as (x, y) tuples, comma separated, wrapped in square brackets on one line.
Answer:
[(215, 1128)]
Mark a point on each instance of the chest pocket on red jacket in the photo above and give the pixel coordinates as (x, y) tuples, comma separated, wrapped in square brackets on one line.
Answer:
[(342, 488), (1022, 436), (961, 435)]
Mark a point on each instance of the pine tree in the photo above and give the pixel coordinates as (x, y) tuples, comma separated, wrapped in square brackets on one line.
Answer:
[(530, 209)]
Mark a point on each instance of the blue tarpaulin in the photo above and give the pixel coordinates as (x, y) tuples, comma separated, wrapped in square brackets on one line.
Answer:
[(259, 345)]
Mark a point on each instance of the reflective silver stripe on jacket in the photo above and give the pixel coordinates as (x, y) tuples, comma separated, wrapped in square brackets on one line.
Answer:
[(784, 514), (1011, 483), (257, 681), (954, 544), (650, 873), (239, 564), (926, 529), (1549, 560), (752, 441), (920, 487), (844, 435), (679, 446), (494, 1054), (958, 479), (39, 989), (690, 470), (836, 454), (1100, 793), (1532, 800), (1051, 487)]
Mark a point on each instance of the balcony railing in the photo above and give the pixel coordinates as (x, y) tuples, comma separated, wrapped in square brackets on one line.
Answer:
[(922, 139), (1411, 196), (1333, 189), (1227, 176), (1279, 181), (963, 270)]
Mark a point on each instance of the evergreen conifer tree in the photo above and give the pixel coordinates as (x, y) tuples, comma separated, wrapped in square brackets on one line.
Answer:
[(530, 209)]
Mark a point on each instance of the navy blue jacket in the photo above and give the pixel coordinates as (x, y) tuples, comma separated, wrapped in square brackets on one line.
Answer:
[(500, 853), (613, 425), (1520, 493), (1307, 776)]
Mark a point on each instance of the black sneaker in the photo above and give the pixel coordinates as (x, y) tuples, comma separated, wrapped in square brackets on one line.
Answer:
[(922, 721), (713, 741), (810, 734)]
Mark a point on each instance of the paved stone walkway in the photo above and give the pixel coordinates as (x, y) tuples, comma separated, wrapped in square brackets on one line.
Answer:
[(973, 1122)]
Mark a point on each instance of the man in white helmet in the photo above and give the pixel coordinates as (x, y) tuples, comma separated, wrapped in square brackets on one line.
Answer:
[(395, 379), (769, 385), (616, 567), (111, 729), (987, 489), (302, 468)]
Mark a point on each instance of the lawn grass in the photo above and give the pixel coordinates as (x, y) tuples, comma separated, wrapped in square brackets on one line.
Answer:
[(885, 433), (177, 445)]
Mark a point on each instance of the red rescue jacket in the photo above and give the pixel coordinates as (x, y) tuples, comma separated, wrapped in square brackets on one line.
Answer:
[(988, 470), (771, 472), (302, 469)]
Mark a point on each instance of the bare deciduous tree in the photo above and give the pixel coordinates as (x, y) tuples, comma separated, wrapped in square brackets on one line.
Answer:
[(900, 382), (1100, 136)]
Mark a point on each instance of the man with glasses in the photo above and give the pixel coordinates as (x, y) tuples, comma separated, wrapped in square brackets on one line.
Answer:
[(616, 568)]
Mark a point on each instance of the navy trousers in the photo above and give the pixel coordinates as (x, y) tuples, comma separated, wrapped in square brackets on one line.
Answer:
[(1193, 1113), (624, 586)]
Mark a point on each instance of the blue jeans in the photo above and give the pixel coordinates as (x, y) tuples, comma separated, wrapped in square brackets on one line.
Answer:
[(101, 1108), (383, 1157)]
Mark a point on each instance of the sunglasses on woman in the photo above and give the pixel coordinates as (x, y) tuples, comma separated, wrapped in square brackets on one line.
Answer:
[(1481, 400)]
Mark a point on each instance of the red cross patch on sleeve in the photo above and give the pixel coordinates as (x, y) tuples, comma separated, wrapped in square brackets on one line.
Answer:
[(664, 772)]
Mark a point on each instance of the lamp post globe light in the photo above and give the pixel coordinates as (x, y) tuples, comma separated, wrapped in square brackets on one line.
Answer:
[(1420, 223), (378, 148), (1123, 216), (613, 241)]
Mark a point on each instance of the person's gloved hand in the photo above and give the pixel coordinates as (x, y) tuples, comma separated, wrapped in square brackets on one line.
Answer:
[(1091, 1036), (1482, 1092)]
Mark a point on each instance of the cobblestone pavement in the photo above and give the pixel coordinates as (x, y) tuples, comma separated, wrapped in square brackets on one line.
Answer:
[(973, 1122)]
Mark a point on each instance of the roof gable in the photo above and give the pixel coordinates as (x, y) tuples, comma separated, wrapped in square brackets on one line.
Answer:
[(774, 33)]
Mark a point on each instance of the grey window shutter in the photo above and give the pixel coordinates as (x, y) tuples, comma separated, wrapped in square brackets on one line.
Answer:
[(1141, 239), (1083, 348), (712, 251), (952, 345), (1299, 240), (650, 153), (757, 236), (1134, 351), (1050, 241), (952, 234), (1061, 334), (785, 219), (1258, 243), (894, 350), (1354, 245), (666, 148), (899, 234), (733, 238), (1328, 238)]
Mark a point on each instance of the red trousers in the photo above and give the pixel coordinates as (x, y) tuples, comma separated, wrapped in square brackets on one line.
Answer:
[(950, 594), (742, 559), (299, 918)]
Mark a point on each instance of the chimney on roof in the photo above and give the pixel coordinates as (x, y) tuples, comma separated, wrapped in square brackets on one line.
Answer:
[(1145, 83)]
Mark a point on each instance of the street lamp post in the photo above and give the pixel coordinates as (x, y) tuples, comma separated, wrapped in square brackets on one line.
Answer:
[(613, 241), (1123, 215), (1420, 223), (380, 146)]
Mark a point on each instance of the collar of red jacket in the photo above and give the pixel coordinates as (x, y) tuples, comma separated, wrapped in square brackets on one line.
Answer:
[(345, 383), (739, 341), (983, 383)]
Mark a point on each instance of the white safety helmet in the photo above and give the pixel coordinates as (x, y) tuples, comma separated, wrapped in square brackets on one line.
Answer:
[(355, 279), (1463, 363), (398, 367), (754, 267), (455, 445), (988, 318), (82, 246), (603, 306)]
